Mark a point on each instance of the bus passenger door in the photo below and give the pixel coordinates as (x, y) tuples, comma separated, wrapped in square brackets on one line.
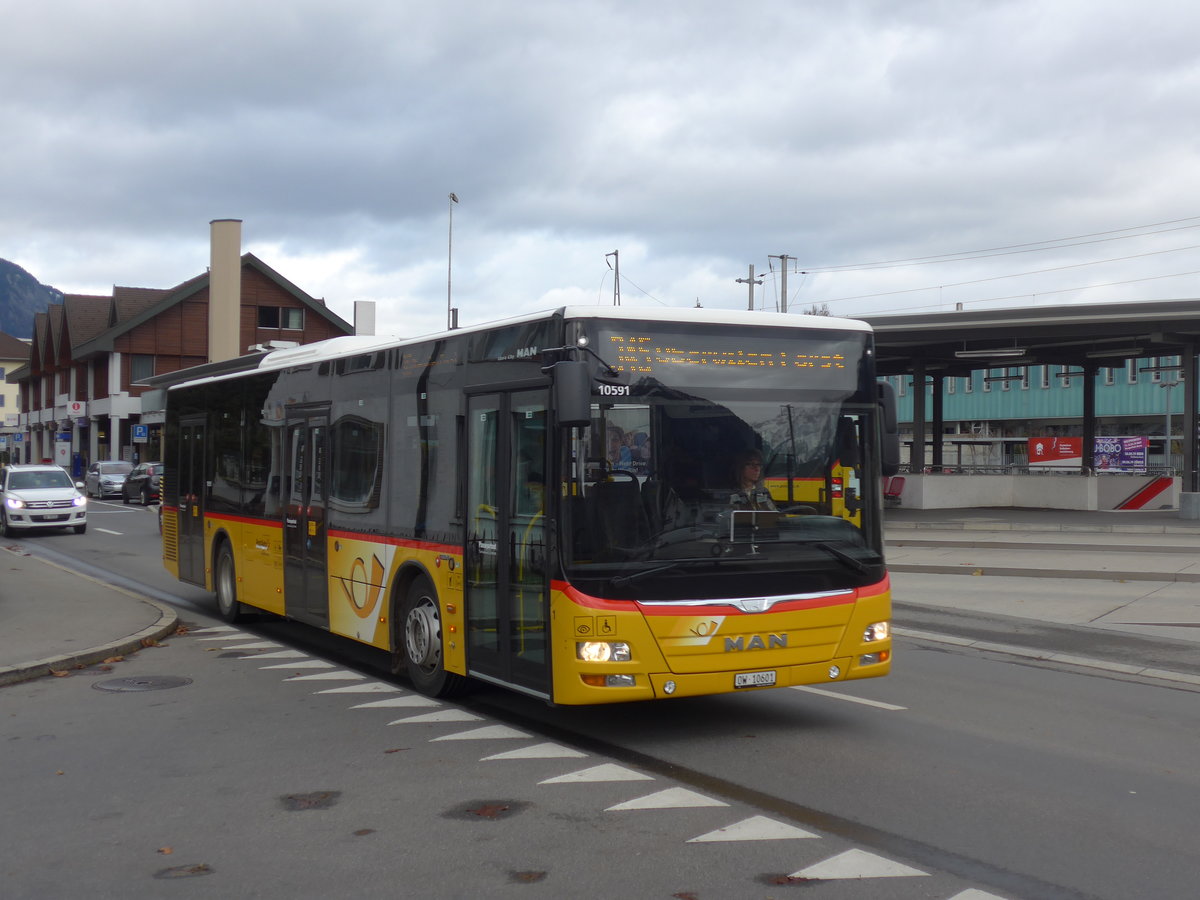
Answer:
[(191, 507), (507, 577), (305, 576)]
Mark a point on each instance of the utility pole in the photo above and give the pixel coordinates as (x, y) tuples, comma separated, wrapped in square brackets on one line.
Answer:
[(450, 311), (783, 258), (616, 255), (751, 283)]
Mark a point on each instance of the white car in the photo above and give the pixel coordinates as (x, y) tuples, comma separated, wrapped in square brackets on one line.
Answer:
[(37, 497)]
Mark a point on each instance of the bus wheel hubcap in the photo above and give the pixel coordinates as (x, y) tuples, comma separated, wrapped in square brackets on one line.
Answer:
[(422, 634)]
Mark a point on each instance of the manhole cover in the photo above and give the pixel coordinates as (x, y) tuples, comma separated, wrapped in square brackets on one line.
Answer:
[(142, 683)]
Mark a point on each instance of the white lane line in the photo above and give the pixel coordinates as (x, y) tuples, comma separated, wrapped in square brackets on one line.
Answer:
[(538, 751), (109, 531), (487, 733), (878, 704), (445, 715), (671, 798), (756, 828), (857, 864), (407, 702), (605, 772)]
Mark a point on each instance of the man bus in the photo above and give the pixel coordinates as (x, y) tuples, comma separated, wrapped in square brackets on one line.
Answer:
[(454, 500)]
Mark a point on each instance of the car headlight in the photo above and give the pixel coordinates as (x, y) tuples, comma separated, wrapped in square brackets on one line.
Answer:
[(80, 500), (14, 503), (602, 651)]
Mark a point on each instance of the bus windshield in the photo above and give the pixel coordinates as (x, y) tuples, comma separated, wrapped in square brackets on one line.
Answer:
[(687, 483)]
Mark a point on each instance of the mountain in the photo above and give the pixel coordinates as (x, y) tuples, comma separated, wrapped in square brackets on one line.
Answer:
[(21, 296)]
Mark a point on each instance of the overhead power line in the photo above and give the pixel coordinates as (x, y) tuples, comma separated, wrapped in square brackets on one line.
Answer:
[(1098, 237)]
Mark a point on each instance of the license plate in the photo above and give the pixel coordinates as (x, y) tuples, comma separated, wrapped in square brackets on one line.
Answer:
[(51, 518), (753, 679)]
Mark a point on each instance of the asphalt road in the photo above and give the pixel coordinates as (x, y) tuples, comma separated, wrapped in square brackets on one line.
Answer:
[(992, 774)]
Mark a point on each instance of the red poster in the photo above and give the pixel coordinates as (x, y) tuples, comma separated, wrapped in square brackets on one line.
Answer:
[(1056, 451)]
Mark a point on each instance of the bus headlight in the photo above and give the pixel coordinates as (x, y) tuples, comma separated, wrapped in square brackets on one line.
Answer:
[(602, 651), (877, 631)]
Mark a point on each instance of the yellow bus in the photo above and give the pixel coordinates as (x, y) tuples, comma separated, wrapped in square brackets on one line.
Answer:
[(549, 503)]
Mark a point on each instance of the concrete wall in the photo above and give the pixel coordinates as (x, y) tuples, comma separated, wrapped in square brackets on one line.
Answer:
[(1028, 491)]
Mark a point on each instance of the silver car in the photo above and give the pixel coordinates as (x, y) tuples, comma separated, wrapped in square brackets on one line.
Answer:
[(104, 479), (37, 497)]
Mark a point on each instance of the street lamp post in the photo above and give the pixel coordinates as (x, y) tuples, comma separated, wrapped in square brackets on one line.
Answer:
[(1167, 385), (450, 261)]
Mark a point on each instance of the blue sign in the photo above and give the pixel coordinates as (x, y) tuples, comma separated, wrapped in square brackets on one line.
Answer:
[(141, 433)]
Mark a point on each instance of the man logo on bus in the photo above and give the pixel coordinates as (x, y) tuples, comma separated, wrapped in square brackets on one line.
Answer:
[(756, 642)]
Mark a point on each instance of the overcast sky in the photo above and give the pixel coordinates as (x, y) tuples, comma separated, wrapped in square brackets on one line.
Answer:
[(695, 138)]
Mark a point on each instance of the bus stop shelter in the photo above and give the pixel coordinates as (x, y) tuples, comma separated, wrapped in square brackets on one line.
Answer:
[(1082, 338)]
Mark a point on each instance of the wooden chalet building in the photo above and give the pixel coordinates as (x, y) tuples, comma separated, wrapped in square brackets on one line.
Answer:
[(80, 397)]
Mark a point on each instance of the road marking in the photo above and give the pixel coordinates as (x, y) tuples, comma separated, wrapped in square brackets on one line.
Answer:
[(671, 798), (605, 772), (857, 864), (538, 751), (878, 704), (109, 531), (487, 733), (756, 828)]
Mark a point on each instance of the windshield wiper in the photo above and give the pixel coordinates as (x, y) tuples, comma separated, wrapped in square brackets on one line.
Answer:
[(622, 580), (842, 556)]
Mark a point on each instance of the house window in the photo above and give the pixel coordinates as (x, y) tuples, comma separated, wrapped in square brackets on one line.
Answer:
[(141, 367), (950, 384), (1110, 375), (969, 383), (280, 317), (1131, 371)]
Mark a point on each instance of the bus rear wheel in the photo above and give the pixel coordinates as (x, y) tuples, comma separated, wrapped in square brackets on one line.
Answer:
[(422, 642), (225, 581)]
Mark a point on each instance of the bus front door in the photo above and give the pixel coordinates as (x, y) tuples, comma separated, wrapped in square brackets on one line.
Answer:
[(507, 577), (305, 576), (191, 507)]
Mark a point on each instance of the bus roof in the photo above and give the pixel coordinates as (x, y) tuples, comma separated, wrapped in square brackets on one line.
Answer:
[(353, 345)]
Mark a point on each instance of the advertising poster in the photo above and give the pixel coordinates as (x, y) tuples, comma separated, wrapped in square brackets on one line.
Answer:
[(1112, 454), (1122, 454), (1060, 452)]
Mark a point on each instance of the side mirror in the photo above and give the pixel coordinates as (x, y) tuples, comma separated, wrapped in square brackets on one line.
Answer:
[(889, 456), (572, 393)]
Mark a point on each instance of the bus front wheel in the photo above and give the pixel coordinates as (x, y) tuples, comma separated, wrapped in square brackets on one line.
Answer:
[(226, 584), (422, 642)]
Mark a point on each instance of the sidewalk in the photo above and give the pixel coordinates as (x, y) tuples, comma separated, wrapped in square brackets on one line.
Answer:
[(1146, 565), (54, 619)]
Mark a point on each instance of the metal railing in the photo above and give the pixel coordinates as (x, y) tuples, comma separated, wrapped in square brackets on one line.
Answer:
[(1025, 469)]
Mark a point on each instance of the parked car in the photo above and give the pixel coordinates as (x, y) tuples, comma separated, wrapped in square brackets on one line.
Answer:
[(104, 479), (142, 483), (40, 496)]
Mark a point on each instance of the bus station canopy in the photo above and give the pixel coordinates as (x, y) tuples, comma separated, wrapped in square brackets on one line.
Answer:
[(1095, 334), (1083, 337)]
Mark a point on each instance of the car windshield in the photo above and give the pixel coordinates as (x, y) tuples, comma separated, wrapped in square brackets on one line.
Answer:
[(28, 481), (115, 468)]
